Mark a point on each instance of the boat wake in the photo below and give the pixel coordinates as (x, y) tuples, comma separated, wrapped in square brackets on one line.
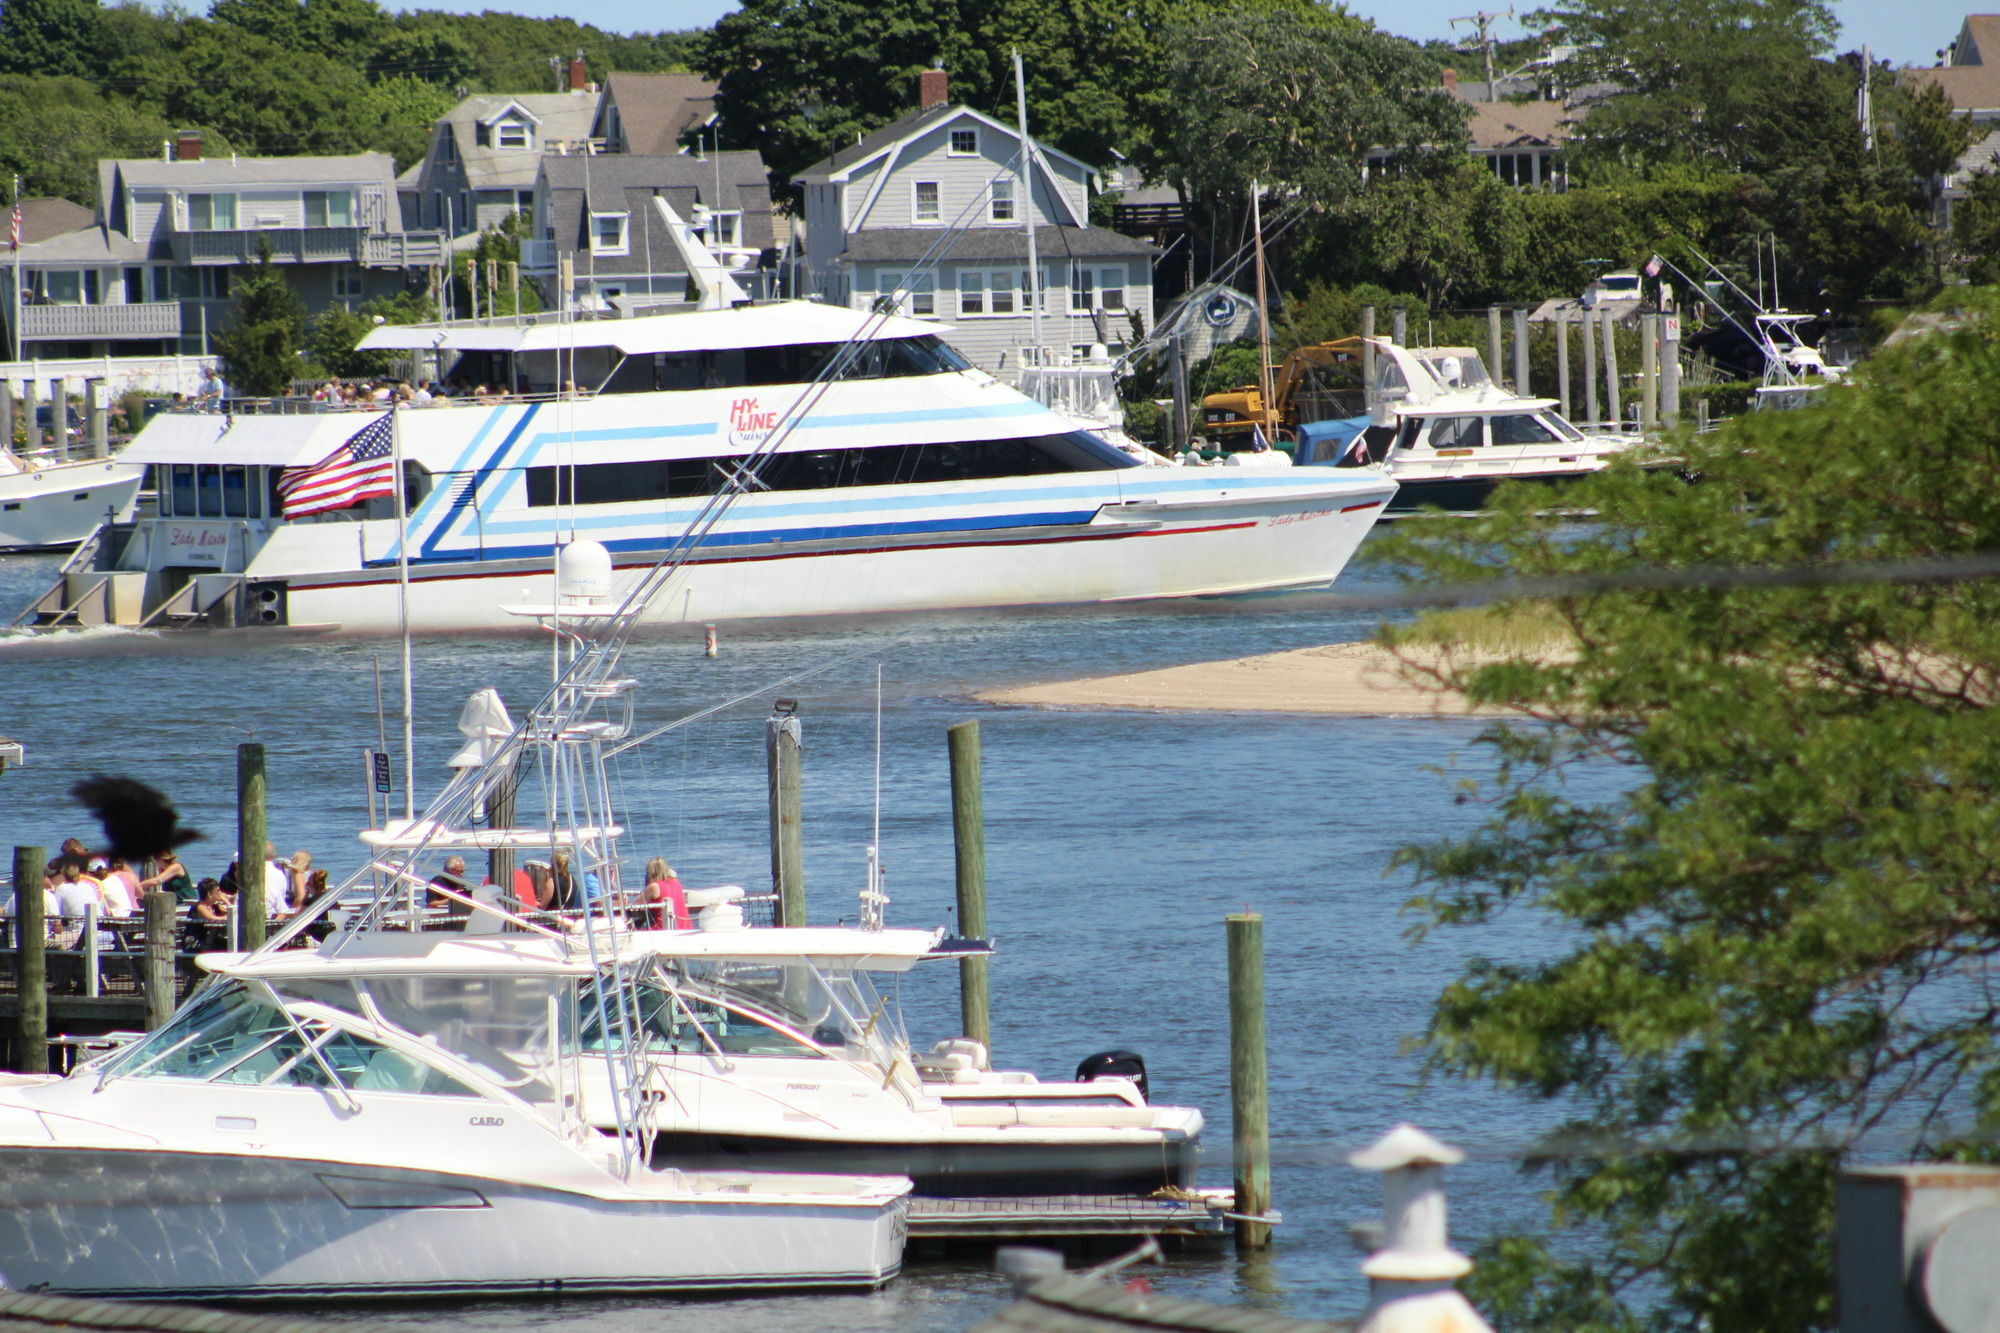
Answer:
[(88, 641)]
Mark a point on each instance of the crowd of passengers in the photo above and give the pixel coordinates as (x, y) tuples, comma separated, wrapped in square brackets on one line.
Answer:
[(79, 884), (423, 393)]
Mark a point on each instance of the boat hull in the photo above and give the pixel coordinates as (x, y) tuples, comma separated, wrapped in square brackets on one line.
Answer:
[(58, 506), (1208, 539), (163, 1224), (968, 1169)]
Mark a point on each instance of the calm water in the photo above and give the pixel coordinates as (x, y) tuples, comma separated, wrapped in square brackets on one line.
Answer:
[(1116, 842)]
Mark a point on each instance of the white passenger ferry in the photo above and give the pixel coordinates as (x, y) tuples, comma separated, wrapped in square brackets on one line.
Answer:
[(908, 481)]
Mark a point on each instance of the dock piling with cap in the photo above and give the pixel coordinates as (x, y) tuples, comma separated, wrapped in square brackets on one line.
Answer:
[(158, 981), (1249, 1100), (784, 749)]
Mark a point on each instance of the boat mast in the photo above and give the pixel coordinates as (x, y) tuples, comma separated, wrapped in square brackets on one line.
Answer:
[(403, 611), (1263, 314), (1024, 181)]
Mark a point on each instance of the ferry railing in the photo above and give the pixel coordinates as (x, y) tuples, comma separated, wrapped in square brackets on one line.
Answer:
[(303, 406)]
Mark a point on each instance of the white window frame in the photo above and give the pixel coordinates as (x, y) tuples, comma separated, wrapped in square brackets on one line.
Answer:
[(999, 293), (951, 142), (1000, 200), (917, 216), (1089, 280), (624, 243), (503, 128), (923, 293)]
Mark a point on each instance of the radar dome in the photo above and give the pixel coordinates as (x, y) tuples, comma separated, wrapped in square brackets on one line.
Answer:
[(583, 570)]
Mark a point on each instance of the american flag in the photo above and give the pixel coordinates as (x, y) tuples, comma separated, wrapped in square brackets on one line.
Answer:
[(359, 469)]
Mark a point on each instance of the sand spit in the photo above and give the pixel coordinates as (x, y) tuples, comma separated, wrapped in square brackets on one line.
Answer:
[(1352, 679)]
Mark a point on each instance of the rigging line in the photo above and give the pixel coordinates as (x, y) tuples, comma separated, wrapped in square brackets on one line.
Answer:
[(748, 695)]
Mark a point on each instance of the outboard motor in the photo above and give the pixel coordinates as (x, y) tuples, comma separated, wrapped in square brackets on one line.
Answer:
[(1114, 1064)]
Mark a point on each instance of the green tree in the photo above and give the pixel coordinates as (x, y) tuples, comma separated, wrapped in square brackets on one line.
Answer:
[(1696, 81), (260, 346), (343, 30), (54, 130), (1295, 98), (1761, 825), (1932, 132), (49, 37), (1975, 227), (269, 99)]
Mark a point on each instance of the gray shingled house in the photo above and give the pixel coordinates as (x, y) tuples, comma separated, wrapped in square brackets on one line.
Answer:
[(942, 189), (598, 211)]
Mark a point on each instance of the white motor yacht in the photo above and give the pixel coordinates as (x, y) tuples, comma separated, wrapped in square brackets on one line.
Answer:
[(1447, 434), (392, 1114), (773, 1049), (49, 505)]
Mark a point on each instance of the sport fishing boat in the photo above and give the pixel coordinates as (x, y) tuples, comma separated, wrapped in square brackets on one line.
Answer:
[(882, 473), (393, 1114), (773, 1049), (1447, 434), (46, 505)]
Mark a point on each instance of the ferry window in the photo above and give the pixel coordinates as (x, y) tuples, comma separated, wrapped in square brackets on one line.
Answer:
[(1520, 428), (1458, 433), (208, 489), (677, 370), (235, 492), (183, 490)]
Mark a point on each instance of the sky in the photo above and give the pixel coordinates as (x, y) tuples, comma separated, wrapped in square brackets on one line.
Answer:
[(1906, 32)]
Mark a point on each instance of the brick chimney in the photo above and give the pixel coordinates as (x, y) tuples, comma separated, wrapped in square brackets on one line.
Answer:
[(1451, 81), (187, 146), (933, 89), (579, 79)]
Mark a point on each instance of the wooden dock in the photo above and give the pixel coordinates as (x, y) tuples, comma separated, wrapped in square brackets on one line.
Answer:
[(1204, 1214)]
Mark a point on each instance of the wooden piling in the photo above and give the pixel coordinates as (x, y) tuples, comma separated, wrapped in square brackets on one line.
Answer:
[(1562, 364), (1248, 1080), (1399, 326), (1368, 350), (1522, 379), (31, 941), (6, 412), (97, 412), (251, 867), (968, 835), (1614, 409), (158, 978), (783, 754), (1649, 373), (1496, 369), (1589, 331)]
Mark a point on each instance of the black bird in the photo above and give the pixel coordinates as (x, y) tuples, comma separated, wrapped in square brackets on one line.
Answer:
[(138, 820)]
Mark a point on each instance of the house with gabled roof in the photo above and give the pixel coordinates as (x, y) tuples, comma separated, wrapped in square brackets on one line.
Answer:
[(650, 115), (598, 213), (152, 270), (1972, 82), (934, 205), (486, 152)]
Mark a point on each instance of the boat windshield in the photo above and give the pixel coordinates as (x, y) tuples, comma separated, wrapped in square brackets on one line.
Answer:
[(498, 1029), (1456, 370), (774, 1007)]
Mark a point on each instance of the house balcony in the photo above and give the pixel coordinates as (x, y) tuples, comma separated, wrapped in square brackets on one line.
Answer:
[(538, 255), (310, 245), (150, 319)]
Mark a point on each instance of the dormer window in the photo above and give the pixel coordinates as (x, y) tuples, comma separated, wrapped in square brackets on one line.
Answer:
[(513, 134), (965, 143), (211, 212), (607, 233)]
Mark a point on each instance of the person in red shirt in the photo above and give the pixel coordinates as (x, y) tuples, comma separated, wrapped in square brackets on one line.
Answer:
[(664, 888)]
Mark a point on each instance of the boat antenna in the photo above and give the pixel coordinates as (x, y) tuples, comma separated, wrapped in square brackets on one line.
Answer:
[(403, 609), (1025, 175), (873, 900)]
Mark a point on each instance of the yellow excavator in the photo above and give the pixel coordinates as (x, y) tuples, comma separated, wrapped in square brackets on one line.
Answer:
[(1228, 419)]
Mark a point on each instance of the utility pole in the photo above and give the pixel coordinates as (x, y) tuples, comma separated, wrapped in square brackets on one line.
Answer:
[(1483, 20)]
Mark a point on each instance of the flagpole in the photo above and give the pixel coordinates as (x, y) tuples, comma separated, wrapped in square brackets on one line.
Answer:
[(14, 237), (403, 609)]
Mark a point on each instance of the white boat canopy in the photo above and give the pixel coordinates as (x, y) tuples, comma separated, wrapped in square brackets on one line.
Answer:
[(409, 953), (825, 946), (782, 324)]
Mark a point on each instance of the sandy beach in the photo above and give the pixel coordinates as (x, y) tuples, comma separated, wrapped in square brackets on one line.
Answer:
[(1353, 679)]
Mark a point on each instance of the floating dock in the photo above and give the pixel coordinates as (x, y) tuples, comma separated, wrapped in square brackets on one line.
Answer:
[(1198, 1213)]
